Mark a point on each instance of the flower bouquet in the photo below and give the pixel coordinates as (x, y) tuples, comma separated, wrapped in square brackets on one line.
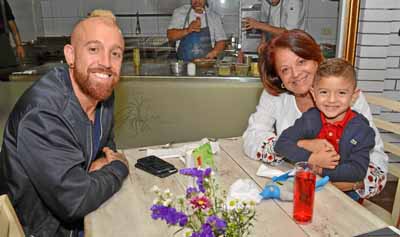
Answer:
[(204, 211)]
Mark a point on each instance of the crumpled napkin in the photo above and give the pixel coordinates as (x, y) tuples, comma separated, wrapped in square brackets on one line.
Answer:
[(268, 172), (244, 190)]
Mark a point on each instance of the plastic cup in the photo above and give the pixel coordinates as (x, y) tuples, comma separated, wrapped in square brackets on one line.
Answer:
[(304, 192)]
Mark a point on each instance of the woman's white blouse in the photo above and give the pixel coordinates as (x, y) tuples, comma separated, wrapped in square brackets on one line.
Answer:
[(276, 113)]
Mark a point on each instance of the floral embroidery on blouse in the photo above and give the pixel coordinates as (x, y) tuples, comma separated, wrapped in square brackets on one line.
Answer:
[(266, 152), (374, 182)]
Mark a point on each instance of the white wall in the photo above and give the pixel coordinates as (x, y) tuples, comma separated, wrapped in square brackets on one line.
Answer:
[(57, 17), (378, 53)]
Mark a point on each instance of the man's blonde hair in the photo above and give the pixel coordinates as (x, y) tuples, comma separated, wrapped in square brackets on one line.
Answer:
[(102, 13)]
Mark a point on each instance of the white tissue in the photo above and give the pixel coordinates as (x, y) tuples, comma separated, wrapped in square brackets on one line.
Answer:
[(268, 172), (244, 190)]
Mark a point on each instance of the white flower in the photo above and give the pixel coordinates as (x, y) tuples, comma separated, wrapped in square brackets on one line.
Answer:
[(167, 202), (167, 193), (155, 189), (156, 201)]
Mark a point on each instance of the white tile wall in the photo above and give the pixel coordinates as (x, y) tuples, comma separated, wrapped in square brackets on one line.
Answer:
[(372, 51), (370, 85), (67, 9), (389, 85), (394, 50), (370, 74), (46, 9), (126, 25), (393, 73), (378, 46), (372, 39), (374, 27), (374, 15), (124, 7), (163, 23), (371, 63), (385, 4), (53, 10), (393, 62)]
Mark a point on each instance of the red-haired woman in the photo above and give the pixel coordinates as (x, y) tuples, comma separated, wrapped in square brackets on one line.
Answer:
[(288, 64)]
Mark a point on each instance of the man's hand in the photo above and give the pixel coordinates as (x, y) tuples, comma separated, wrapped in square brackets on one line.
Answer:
[(211, 55), (20, 53), (327, 159), (250, 23), (195, 25), (110, 156), (98, 164), (315, 145)]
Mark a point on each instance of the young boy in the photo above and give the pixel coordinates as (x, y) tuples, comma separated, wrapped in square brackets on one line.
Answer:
[(332, 137)]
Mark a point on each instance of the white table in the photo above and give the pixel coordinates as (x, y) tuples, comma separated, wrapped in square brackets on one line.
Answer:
[(127, 213)]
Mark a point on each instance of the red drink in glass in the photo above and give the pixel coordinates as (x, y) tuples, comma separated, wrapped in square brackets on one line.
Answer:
[(304, 190)]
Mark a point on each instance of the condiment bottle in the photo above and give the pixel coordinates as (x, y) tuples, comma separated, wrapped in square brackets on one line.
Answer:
[(191, 69)]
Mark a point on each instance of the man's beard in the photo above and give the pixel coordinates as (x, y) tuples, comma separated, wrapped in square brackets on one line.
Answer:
[(92, 88)]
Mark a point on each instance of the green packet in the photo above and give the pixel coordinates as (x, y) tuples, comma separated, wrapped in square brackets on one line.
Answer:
[(203, 156)]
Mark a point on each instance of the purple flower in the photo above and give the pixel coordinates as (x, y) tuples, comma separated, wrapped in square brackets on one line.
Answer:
[(207, 172), (206, 231), (191, 172), (169, 214), (217, 223), (200, 184), (199, 174), (190, 191)]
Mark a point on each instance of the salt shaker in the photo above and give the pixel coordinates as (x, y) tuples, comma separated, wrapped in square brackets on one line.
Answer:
[(191, 69)]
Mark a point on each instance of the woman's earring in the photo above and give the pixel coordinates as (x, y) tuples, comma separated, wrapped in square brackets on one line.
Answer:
[(282, 86)]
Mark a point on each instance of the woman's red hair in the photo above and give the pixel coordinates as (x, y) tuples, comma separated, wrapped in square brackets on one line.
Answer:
[(299, 42)]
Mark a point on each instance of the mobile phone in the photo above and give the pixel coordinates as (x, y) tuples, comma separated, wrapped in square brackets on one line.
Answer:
[(156, 166)]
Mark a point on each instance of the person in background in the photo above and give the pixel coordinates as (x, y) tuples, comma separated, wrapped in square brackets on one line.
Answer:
[(198, 32), (58, 160), (277, 16), (333, 138), (7, 24), (288, 65)]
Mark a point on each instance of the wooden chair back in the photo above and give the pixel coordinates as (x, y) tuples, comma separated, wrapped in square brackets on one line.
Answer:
[(9, 223), (394, 164)]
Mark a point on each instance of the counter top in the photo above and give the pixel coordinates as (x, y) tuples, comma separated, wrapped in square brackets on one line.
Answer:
[(147, 70)]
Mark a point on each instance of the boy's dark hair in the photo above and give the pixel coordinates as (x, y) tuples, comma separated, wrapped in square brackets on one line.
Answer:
[(336, 67)]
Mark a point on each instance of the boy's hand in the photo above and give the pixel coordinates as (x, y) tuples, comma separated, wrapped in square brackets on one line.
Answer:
[(326, 158), (315, 145)]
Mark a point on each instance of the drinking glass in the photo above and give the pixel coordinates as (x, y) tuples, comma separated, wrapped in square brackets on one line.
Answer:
[(304, 190)]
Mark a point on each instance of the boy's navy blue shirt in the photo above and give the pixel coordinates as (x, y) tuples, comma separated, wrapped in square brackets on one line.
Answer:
[(357, 140)]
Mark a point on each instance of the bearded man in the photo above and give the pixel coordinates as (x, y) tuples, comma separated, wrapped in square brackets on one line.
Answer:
[(58, 159)]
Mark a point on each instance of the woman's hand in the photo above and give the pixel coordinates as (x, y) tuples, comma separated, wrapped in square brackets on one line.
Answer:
[(327, 159), (315, 145)]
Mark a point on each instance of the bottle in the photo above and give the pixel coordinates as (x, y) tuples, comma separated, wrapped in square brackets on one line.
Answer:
[(136, 59), (240, 56), (191, 69), (138, 30)]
